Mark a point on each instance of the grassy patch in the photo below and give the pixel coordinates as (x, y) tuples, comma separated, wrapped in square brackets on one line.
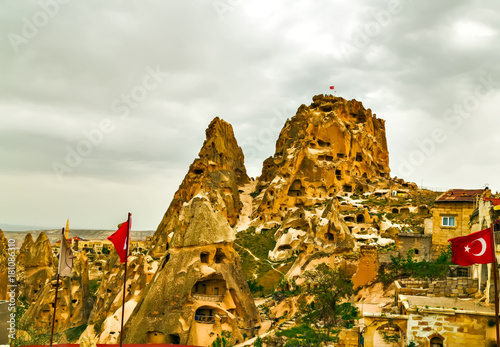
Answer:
[(260, 271), (259, 245), (94, 287), (254, 194), (74, 333), (98, 325), (302, 335), (269, 280)]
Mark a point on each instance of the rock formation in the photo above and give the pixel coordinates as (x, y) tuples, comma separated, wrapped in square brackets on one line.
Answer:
[(310, 231), (4, 255), (199, 290), (36, 265), (329, 147), (368, 267), (73, 300), (219, 171), (104, 320)]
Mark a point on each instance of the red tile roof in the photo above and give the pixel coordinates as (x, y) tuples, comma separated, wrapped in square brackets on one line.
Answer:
[(494, 201), (460, 195)]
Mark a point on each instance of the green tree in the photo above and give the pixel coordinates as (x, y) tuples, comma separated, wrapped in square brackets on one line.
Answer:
[(401, 267), (285, 288), (255, 287), (328, 286), (223, 340), (258, 342)]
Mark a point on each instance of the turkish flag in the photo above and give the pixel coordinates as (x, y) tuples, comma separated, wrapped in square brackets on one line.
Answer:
[(331, 87), (120, 240), (475, 248)]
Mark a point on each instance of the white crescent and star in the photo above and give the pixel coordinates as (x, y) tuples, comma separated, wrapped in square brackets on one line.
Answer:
[(483, 247)]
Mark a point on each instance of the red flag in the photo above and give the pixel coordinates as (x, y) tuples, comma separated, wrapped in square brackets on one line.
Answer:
[(475, 248), (120, 240), (331, 87)]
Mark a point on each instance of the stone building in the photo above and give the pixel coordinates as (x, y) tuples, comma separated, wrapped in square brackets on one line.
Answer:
[(451, 214), (432, 321), (419, 244), (486, 213)]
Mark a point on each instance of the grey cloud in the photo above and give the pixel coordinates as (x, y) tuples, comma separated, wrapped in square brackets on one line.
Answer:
[(251, 69)]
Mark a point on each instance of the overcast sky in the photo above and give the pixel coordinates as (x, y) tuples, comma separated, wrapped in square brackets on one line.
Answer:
[(104, 104)]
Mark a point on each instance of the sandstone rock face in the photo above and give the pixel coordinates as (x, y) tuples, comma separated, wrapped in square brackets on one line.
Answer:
[(105, 319), (73, 300), (368, 267), (36, 265), (199, 289), (307, 232), (219, 171), (329, 147)]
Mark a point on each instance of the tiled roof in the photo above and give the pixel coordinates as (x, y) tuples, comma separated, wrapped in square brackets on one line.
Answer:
[(494, 201), (460, 195)]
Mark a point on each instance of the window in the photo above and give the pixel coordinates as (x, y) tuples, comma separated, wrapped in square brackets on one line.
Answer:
[(204, 257), (448, 221), (436, 342)]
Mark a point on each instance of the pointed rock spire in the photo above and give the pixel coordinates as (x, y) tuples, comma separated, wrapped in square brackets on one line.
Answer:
[(218, 172)]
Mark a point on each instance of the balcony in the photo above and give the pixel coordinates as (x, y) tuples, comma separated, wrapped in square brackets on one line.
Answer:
[(208, 297), (204, 319), (209, 319)]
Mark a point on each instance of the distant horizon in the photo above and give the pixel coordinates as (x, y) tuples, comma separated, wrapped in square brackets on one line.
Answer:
[(25, 228)]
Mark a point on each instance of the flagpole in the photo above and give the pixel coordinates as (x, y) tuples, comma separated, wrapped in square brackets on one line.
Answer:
[(125, 278), (55, 296), (495, 278)]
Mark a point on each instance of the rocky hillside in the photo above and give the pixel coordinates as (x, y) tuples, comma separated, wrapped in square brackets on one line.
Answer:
[(328, 182), (325, 196), (331, 147)]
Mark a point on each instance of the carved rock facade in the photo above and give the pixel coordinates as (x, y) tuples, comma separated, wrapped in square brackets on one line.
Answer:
[(199, 290)]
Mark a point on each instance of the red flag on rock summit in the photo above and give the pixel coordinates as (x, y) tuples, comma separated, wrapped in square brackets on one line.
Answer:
[(475, 248), (120, 240)]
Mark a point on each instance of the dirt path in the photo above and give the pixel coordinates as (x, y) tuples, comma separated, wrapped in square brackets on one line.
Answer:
[(249, 252)]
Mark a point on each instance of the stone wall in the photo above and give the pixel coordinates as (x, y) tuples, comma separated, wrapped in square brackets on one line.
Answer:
[(458, 330), (454, 287), (420, 242), (451, 287), (376, 324), (349, 338)]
